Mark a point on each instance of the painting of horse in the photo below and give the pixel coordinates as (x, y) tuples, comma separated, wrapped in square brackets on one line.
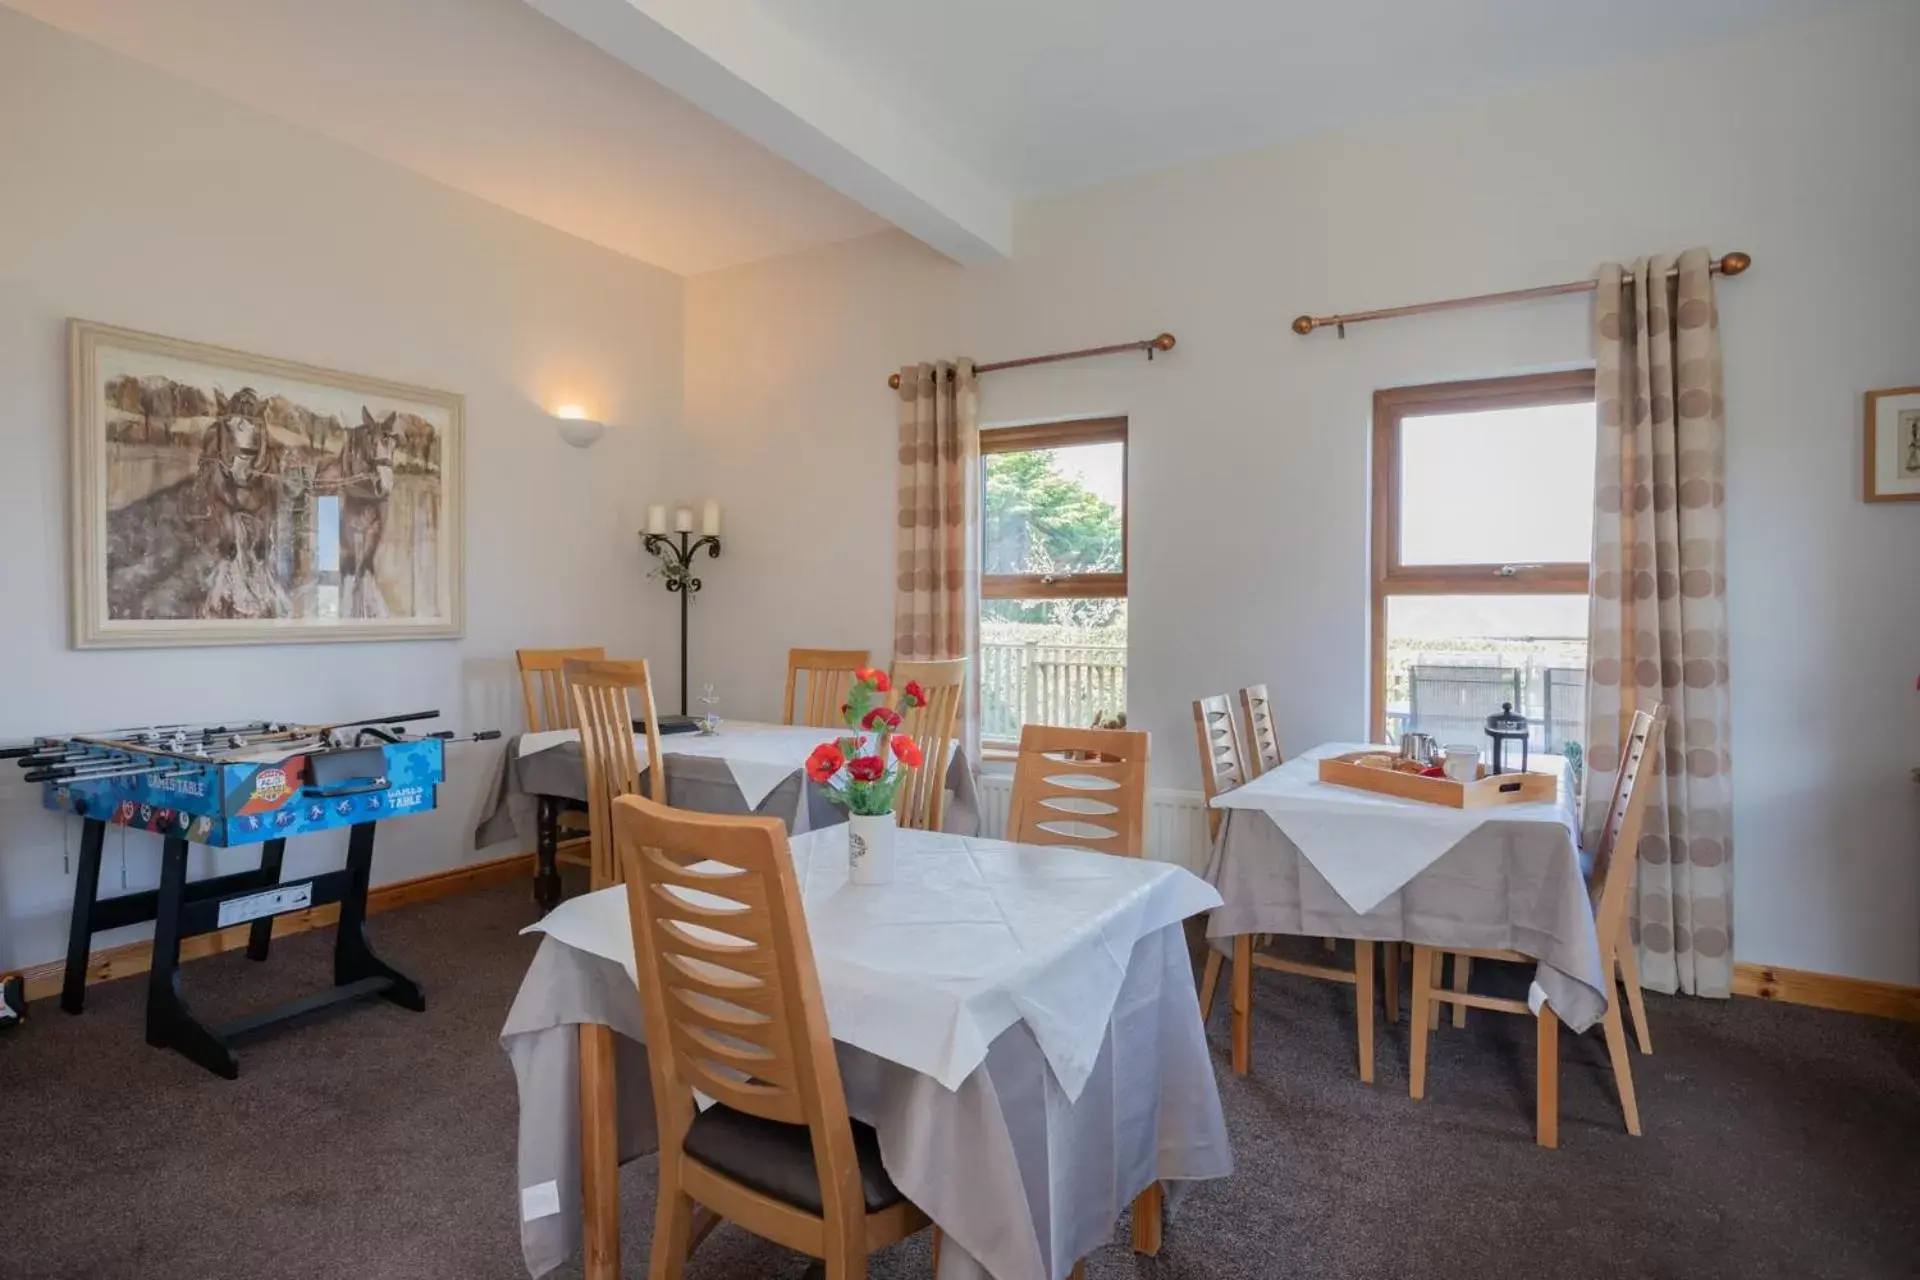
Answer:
[(221, 497)]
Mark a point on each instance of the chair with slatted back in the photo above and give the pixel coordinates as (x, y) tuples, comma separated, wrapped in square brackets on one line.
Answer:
[(1608, 886), (605, 693), (822, 677), (1222, 769), (922, 800), (1080, 788), (543, 691), (1263, 740), (731, 1002)]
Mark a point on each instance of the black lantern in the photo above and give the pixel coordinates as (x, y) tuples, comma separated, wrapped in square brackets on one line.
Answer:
[(1504, 726)]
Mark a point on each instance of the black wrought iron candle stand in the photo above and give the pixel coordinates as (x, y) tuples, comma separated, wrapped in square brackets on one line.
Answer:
[(676, 566)]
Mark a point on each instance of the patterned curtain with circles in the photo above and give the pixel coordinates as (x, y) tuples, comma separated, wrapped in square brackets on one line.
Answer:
[(1658, 632), (935, 614)]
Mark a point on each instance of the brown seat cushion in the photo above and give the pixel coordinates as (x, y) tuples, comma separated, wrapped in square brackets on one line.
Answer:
[(777, 1159)]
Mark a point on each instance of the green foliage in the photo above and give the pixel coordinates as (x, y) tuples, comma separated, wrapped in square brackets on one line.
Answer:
[(1037, 520)]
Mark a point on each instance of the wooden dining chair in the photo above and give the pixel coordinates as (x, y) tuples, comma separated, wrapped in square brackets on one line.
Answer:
[(1222, 769), (604, 694), (1608, 886), (824, 676), (543, 691), (922, 800), (1263, 740), (543, 686), (1080, 788), (731, 1003)]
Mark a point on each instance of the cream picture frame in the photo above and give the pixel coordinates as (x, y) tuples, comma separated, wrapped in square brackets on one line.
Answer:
[(220, 497)]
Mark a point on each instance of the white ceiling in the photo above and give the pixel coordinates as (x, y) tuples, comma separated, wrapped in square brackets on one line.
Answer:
[(1038, 95), (492, 98), (698, 134)]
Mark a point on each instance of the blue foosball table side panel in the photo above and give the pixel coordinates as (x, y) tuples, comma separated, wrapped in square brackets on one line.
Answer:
[(239, 803)]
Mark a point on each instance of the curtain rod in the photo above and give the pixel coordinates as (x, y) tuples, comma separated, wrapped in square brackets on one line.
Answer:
[(1731, 265), (1163, 342)]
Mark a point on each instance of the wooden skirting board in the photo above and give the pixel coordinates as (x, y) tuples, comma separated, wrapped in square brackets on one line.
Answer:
[(1827, 991), (1767, 982), (130, 958)]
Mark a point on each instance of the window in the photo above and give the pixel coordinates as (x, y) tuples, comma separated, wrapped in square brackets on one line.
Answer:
[(1482, 544), (1053, 584)]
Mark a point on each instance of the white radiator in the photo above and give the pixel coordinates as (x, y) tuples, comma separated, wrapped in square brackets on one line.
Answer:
[(1176, 821)]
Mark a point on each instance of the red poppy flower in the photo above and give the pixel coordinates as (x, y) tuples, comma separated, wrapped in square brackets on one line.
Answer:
[(907, 751), (824, 762), (881, 716), (875, 677), (915, 695), (867, 768)]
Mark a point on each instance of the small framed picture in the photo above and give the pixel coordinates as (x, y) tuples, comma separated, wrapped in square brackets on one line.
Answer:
[(1893, 445)]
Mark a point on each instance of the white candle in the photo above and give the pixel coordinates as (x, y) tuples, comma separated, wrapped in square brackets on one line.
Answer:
[(683, 520), (657, 518), (710, 518)]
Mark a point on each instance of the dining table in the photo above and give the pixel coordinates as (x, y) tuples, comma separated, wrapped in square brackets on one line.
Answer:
[(1018, 1023), (1300, 856), (744, 767)]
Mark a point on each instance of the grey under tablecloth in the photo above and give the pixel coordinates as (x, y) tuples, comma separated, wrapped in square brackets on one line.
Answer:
[(1508, 885), (1022, 1181), (701, 783)]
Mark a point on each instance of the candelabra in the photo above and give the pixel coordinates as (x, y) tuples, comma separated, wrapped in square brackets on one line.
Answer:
[(676, 554)]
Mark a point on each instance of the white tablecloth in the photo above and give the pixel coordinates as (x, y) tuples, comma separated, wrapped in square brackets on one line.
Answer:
[(759, 756), (1367, 845), (1046, 960), (971, 937)]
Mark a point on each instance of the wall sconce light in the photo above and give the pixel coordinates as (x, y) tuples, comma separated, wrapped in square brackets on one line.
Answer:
[(576, 428)]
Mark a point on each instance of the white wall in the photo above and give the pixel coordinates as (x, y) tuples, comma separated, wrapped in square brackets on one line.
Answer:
[(133, 198), (1249, 475)]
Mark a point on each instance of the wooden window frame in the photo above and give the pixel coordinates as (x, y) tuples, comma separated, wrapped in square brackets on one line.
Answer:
[(1061, 586), (1043, 586), (1391, 407)]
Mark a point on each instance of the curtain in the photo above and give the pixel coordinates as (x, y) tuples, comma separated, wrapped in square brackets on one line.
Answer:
[(1658, 629), (935, 610)]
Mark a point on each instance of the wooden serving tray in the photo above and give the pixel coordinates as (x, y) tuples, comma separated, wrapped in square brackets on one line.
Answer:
[(1528, 787)]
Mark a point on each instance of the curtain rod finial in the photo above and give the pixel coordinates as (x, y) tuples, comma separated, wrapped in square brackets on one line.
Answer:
[(893, 380), (1735, 263), (1164, 342), (1303, 325)]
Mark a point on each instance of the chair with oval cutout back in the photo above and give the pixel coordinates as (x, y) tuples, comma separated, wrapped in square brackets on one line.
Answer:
[(1607, 888), (730, 999), (1222, 768), (1080, 788)]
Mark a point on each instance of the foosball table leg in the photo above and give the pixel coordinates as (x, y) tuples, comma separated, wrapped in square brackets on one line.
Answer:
[(86, 892), (260, 936), (353, 959), (170, 1024), (546, 871)]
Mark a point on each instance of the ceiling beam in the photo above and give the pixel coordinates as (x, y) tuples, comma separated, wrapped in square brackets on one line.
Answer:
[(742, 67)]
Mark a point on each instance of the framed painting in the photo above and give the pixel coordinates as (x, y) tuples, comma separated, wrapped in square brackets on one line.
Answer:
[(1893, 445), (226, 498)]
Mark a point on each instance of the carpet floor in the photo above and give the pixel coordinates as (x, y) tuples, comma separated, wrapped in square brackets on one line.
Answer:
[(373, 1142)]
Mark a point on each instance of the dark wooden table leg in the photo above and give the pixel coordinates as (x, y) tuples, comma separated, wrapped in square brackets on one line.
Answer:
[(546, 875)]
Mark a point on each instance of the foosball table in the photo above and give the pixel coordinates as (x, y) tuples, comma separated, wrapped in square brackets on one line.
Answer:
[(229, 785)]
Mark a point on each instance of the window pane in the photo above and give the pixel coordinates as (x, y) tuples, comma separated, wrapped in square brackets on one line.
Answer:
[(1054, 510), (1508, 486), (1050, 662), (1452, 660)]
